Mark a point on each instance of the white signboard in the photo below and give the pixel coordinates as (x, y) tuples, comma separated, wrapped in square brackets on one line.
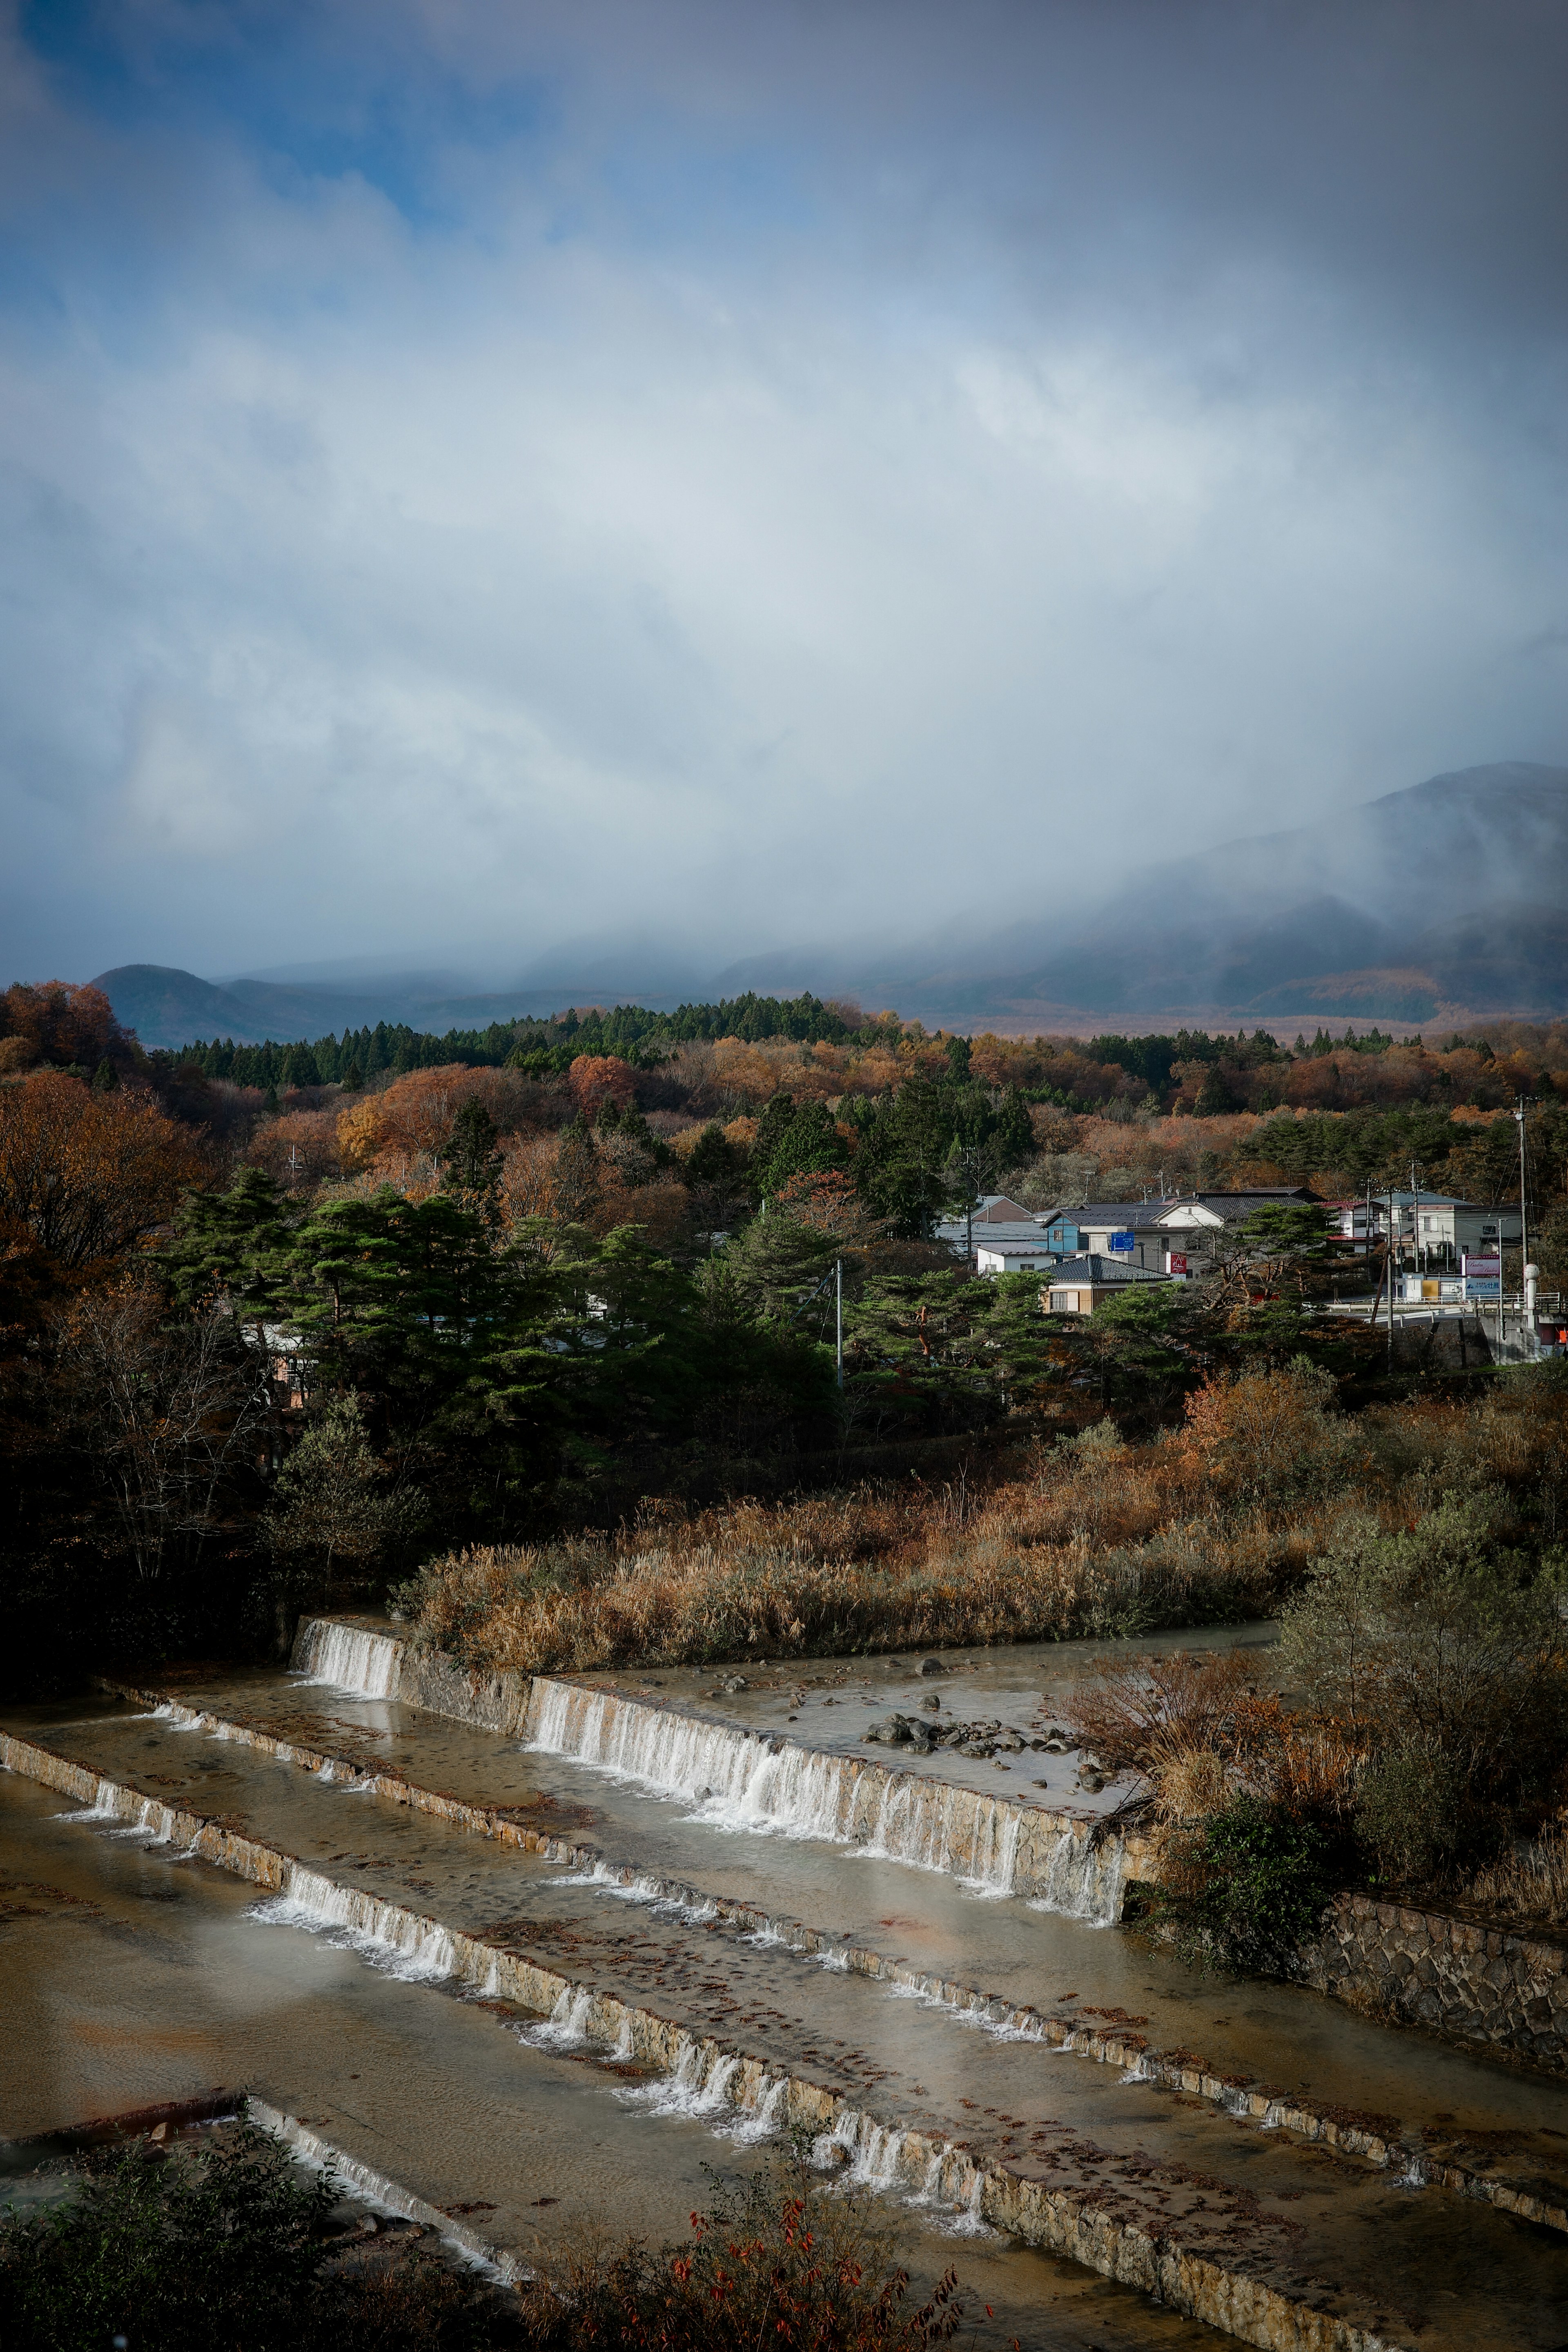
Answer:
[(1483, 1277)]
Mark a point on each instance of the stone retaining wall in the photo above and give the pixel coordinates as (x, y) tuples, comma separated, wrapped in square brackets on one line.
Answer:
[(1459, 1978)]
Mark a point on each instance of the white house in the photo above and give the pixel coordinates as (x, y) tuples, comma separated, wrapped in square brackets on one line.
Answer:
[(993, 1257), (1166, 1237), (1441, 1227), (997, 1221)]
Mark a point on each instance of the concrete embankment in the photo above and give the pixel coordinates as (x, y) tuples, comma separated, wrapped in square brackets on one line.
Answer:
[(130, 1980), (1378, 2141), (1472, 1982), (1170, 2229), (1004, 1844)]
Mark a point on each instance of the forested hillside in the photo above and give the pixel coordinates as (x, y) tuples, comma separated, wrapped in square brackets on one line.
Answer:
[(277, 1329)]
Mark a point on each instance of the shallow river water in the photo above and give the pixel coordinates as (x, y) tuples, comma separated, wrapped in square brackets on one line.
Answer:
[(163, 1976)]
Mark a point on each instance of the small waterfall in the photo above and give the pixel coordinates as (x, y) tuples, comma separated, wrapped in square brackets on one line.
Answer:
[(969, 2223), (997, 1831), (760, 2121), (642, 1886), (876, 2156), (1083, 1879), (698, 2086), (377, 2191), (348, 1658), (103, 1808), (567, 2025), (739, 1780), (930, 2191), (382, 1933), (826, 2145)]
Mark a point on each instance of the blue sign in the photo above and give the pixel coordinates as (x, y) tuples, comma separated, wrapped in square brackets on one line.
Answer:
[(1121, 1241)]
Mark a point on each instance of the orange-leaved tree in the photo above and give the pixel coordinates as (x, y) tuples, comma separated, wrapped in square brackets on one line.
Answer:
[(599, 1078), (51, 1020), (82, 1175)]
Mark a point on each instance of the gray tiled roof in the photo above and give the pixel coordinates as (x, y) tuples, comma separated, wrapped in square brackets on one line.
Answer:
[(1095, 1272)]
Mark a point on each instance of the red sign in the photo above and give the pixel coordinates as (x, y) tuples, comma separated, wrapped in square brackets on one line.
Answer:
[(1176, 1262)]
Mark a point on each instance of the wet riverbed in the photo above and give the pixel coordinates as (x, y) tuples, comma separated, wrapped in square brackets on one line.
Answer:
[(128, 1978)]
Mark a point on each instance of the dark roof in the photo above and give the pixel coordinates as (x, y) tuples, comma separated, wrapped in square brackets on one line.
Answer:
[(996, 1209), (1098, 1273), (1107, 1212)]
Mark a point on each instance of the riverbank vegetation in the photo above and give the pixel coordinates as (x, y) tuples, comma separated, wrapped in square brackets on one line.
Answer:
[(225, 2242), (1415, 1736), (1226, 1513), (232, 2243)]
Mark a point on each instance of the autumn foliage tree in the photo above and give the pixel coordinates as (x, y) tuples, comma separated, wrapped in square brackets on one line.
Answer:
[(53, 1021), (599, 1078), (84, 1175)]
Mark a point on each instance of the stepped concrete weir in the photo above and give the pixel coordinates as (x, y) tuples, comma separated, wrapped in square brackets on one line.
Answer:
[(1118, 2045), (1476, 1984), (907, 2079), (749, 1779)]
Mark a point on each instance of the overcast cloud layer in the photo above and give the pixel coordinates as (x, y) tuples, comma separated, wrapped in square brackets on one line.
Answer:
[(475, 474)]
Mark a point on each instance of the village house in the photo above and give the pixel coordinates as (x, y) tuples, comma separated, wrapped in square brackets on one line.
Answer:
[(1081, 1284), (995, 1256), (1440, 1229), (1168, 1236), (996, 1225)]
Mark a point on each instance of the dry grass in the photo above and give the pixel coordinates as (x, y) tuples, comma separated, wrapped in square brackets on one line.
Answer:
[(1213, 1523), (1530, 1887)]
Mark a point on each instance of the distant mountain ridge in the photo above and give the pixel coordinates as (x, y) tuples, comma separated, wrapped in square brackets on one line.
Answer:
[(169, 1007), (1450, 896)]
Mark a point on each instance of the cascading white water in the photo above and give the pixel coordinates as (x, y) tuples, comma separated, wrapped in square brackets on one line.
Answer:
[(699, 2084), (876, 2160), (740, 1781), (349, 1658), (103, 1808), (382, 1933), (969, 2223), (760, 2121), (737, 1781), (567, 2024), (1083, 1879), (930, 2191)]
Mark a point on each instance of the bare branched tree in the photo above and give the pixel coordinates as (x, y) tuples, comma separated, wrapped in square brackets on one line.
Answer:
[(164, 1414)]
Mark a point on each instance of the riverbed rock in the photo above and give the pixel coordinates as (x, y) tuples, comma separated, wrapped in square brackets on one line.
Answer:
[(932, 1666)]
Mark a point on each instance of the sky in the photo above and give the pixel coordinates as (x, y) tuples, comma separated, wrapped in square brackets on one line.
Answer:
[(478, 475)]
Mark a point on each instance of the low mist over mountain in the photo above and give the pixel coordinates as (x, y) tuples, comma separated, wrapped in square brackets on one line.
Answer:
[(1451, 895), (1449, 898)]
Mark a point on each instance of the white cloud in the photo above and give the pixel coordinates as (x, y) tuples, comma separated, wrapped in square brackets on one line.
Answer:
[(444, 586)]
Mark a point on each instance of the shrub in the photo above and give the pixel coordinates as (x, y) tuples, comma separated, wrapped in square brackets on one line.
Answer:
[(227, 2246), (1413, 1814), (773, 2261), (1443, 1651), (1248, 1887)]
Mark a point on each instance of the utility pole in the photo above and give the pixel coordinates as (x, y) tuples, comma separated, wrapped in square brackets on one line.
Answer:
[(1391, 1269), (838, 1314), (1525, 1286)]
